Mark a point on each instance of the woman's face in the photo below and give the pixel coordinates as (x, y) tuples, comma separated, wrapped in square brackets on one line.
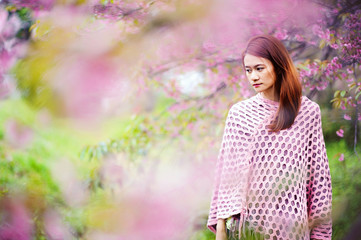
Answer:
[(261, 75)]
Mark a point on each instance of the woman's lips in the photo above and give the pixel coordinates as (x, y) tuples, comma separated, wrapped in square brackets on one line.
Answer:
[(257, 85)]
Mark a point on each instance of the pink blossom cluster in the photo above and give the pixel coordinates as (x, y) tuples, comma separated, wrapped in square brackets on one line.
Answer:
[(314, 77), (120, 11), (16, 218), (346, 39), (350, 39), (318, 74), (333, 67), (322, 33), (34, 4), (347, 117), (348, 102), (340, 132), (342, 157), (281, 34), (18, 135), (11, 47)]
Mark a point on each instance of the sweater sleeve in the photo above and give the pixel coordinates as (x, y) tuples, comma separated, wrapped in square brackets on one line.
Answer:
[(232, 169), (319, 190)]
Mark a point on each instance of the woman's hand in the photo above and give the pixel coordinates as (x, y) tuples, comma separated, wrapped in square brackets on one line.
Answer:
[(221, 233)]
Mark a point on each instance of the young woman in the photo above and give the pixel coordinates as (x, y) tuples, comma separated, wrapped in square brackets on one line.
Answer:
[(273, 178)]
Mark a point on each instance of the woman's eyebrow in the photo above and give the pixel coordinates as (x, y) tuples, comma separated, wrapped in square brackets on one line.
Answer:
[(257, 65)]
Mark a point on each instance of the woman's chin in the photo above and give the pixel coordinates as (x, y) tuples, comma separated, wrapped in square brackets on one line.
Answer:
[(258, 90)]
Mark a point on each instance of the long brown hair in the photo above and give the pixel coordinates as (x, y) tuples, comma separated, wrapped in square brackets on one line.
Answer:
[(287, 85)]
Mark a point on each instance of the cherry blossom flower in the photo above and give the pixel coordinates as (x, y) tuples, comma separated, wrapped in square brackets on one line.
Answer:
[(346, 117), (54, 226), (17, 134), (16, 222), (340, 133), (73, 190)]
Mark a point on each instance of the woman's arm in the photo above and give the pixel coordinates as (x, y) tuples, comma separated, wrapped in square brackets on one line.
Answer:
[(319, 190), (221, 233), (232, 169)]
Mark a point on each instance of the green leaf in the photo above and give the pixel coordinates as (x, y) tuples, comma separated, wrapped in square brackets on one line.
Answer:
[(215, 70), (352, 85), (336, 102), (344, 16), (83, 153), (358, 89), (336, 94), (322, 43), (343, 92), (304, 68), (358, 95)]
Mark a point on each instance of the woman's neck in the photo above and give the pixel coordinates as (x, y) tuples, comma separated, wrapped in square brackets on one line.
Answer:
[(271, 96)]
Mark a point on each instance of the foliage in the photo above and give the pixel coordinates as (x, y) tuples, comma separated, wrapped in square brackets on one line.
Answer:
[(345, 188), (27, 172), (147, 81)]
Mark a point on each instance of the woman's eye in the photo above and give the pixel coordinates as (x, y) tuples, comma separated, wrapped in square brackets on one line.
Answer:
[(260, 69), (248, 70)]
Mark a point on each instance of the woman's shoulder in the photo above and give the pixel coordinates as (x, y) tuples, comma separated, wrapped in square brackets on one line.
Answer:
[(308, 104), (250, 105), (243, 105)]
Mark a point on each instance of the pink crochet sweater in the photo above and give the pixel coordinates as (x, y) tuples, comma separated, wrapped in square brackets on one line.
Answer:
[(279, 183)]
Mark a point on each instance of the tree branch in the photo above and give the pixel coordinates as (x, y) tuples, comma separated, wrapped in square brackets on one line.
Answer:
[(356, 119)]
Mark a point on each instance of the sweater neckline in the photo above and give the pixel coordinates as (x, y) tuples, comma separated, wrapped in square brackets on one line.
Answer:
[(266, 100)]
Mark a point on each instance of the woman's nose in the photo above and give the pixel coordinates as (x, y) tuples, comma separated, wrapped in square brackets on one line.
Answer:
[(254, 76)]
